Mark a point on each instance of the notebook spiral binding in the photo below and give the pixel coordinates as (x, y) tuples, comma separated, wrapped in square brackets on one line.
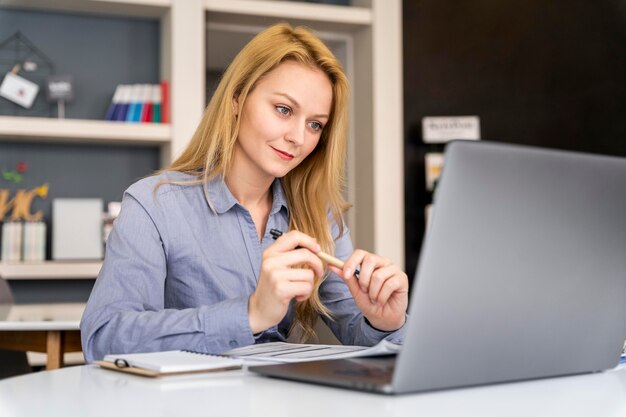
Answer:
[(204, 354)]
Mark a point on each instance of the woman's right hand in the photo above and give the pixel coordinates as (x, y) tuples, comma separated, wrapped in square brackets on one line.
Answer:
[(283, 278)]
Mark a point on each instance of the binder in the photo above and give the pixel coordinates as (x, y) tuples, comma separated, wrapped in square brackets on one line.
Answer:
[(124, 103), (156, 104), (165, 101), (114, 107)]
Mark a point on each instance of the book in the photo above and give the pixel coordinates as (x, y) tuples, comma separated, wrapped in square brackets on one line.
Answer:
[(156, 104), (165, 101), (124, 102), (134, 106), (173, 362), (147, 104), (114, 107), (281, 352)]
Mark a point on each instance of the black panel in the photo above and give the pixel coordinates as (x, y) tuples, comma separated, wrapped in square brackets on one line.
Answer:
[(539, 73)]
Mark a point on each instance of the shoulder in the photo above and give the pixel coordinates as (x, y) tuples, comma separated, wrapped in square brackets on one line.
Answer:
[(155, 186)]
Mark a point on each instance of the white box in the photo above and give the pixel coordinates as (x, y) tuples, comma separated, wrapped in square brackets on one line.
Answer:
[(77, 228), (11, 241), (34, 241)]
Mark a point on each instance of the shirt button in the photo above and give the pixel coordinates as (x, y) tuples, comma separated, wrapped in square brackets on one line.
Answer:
[(232, 343)]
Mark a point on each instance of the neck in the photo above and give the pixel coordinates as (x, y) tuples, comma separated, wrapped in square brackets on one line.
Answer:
[(249, 192), (251, 189)]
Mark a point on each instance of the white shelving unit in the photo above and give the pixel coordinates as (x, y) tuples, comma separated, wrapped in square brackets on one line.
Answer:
[(342, 16), (83, 131), (366, 37), (49, 270)]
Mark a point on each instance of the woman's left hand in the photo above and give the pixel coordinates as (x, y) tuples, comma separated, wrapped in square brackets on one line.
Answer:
[(381, 290)]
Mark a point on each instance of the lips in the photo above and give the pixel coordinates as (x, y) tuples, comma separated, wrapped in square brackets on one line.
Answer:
[(283, 155)]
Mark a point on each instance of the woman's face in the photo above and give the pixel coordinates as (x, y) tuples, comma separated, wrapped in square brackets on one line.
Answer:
[(282, 120)]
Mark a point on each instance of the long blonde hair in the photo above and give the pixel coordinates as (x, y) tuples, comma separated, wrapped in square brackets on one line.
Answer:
[(314, 187)]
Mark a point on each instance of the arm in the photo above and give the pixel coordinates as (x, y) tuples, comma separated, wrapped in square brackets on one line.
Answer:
[(348, 323), (126, 311)]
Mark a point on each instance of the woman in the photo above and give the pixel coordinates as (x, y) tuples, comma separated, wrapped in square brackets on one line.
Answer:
[(190, 263)]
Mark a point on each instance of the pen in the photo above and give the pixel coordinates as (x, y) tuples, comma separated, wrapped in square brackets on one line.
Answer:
[(322, 255)]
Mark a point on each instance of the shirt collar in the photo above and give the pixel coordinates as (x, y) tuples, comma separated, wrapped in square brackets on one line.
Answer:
[(223, 200)]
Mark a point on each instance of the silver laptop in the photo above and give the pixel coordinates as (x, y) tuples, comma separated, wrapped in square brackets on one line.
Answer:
[(522, 275)]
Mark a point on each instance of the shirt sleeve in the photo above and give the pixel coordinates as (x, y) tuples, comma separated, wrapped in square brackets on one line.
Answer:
[(126, 313), (347, 322)]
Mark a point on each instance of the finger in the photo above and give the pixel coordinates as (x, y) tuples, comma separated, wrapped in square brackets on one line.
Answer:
[(293, 239), (351, 282), (368, 265), (350, 265), (394, 285), (378, 278), (297, 257), (300, 290), (293, 275)]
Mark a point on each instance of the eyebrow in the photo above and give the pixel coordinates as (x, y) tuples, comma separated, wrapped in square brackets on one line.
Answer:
[(296, 104)]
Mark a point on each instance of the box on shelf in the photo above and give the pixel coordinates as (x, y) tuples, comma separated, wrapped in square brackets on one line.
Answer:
[(77, 228)]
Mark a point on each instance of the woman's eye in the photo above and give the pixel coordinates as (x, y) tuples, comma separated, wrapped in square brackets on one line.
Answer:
[(284, 110), (316, 126)]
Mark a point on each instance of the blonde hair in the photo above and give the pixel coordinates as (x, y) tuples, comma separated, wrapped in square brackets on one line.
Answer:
[(314, 187)]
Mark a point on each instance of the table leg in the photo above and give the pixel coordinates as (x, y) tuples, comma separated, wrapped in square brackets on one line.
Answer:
[(54, 344)]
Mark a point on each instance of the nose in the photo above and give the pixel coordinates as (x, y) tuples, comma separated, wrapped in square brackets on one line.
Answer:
[(296, 132)]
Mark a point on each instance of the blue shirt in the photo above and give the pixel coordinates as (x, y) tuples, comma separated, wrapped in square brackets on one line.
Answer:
[(178, 275)]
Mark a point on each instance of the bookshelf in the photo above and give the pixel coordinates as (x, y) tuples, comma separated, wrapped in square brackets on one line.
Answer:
[(367, 38), (49, 270), (82, 131)]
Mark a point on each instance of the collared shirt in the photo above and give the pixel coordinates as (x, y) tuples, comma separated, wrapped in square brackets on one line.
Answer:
[(178, 274)]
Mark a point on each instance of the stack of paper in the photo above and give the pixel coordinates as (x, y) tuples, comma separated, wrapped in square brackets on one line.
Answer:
[(281, 352)]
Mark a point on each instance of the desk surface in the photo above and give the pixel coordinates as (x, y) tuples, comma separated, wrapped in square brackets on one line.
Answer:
[(89, 390), (61, 316)]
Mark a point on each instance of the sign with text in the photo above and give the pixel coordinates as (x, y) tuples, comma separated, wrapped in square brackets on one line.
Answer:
[(59, 87), (445, 129)]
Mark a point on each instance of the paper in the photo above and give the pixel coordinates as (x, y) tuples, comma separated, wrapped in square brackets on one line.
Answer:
[(173, 361), (281, 352), (19, 90)]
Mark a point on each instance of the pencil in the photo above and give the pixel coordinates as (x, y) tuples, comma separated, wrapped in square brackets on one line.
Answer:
[(322, 255)]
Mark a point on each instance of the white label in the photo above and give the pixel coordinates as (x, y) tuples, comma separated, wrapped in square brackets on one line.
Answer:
[(19, 90), (444, 129)]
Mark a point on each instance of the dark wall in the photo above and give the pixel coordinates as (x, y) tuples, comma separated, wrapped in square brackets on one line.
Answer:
[(550, 74)]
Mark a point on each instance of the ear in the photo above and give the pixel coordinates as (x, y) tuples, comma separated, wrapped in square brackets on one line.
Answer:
[(236, 104)]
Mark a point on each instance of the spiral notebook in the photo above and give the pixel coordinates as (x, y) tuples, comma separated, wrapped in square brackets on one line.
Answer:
[(173, 362)]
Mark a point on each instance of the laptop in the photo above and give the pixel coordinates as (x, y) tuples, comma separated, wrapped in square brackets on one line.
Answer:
[(522, 275)]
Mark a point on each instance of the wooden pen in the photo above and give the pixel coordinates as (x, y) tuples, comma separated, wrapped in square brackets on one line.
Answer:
[(322, 255)]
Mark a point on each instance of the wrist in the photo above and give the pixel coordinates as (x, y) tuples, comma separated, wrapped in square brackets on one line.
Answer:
[(385, 327), (255, 324)]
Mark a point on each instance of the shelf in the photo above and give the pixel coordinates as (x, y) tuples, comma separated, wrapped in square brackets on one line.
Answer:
[(83, 131), (50, 270), (69, 358), (307, 12), (134, 8)]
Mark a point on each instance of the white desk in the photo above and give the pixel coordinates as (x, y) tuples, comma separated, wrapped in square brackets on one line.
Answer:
[(91, 391), (49, 328)]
